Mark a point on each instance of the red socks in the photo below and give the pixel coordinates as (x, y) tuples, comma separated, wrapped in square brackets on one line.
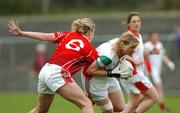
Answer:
[(162, 106)]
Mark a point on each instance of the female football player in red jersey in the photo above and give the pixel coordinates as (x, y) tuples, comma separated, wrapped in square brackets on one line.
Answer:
[(141, 93), (72, 53)]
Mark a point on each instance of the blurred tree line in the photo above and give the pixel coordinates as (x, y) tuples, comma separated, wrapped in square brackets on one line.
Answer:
[(51, 6)]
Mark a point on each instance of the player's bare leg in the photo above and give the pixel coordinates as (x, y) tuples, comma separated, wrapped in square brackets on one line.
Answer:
[(150, 97), (105, 105), (133, 102), (72, 92), (117, 99), (44, 103), (162, 104)]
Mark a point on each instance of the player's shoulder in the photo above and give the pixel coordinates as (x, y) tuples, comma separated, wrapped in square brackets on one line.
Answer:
[(108, 52), (59, 36)]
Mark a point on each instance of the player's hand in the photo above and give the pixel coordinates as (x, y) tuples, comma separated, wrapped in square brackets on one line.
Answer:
[(155, 51), (137, 62), (14, 28), (123, 70), (113, 73), (131, 59), (171, 65)]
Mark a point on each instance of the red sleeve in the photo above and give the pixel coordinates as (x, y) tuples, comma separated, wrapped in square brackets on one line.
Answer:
[(134, 70), (89, 52), (59, 36), (147, 64)]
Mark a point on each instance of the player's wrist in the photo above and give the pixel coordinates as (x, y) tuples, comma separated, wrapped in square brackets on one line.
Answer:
[(110, 74), (150, 52), (21, 33)]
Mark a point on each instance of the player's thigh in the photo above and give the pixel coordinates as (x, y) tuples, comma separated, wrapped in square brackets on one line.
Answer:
[(155, 75), (152, 93), (45, 100), (72, 92), (117, 99), (134, 98)]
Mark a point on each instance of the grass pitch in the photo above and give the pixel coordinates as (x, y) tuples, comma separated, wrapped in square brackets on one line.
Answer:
[(24, 102)]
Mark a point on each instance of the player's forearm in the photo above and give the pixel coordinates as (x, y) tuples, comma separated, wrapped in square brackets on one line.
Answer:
[(129, 58), (93, 71), (37, 35), (165, 59), (100, 73)]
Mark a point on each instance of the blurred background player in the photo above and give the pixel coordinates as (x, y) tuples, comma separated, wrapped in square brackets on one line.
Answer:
[(99, 81), (40, 59), (141, 93), (72, 53), (154, 65)]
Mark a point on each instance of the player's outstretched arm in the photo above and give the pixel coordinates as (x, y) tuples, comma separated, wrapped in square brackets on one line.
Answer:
[(168, 62), (15, 30)]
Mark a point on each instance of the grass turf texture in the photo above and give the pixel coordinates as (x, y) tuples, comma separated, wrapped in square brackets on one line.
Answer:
[(24, 102)]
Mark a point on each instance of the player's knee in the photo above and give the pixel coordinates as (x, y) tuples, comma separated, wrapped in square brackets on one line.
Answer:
[(86, 103), (155, 99), (135, 104), (107, 107), (119, 108)]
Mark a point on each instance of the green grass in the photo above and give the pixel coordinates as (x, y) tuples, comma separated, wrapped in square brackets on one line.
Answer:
[(24, 102)]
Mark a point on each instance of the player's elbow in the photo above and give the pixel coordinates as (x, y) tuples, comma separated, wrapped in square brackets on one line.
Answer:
[(91, 71), (48, 37)]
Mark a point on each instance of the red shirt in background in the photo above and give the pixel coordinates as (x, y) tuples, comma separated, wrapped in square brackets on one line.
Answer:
[(39, 61)]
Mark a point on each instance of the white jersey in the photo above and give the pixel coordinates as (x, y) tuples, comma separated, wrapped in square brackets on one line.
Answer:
[(97, 87), (107, 57), (155, 60), (139, 54), (139, 83)]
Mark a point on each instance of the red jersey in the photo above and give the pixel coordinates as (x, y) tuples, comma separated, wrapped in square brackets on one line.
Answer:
[(73, 51)]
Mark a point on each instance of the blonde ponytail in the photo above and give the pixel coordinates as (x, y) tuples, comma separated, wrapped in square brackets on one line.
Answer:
[(83, 25)]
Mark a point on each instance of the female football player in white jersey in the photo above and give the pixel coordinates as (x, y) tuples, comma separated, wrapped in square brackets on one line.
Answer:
[(105, 91), (155, 65), (141, 93)]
